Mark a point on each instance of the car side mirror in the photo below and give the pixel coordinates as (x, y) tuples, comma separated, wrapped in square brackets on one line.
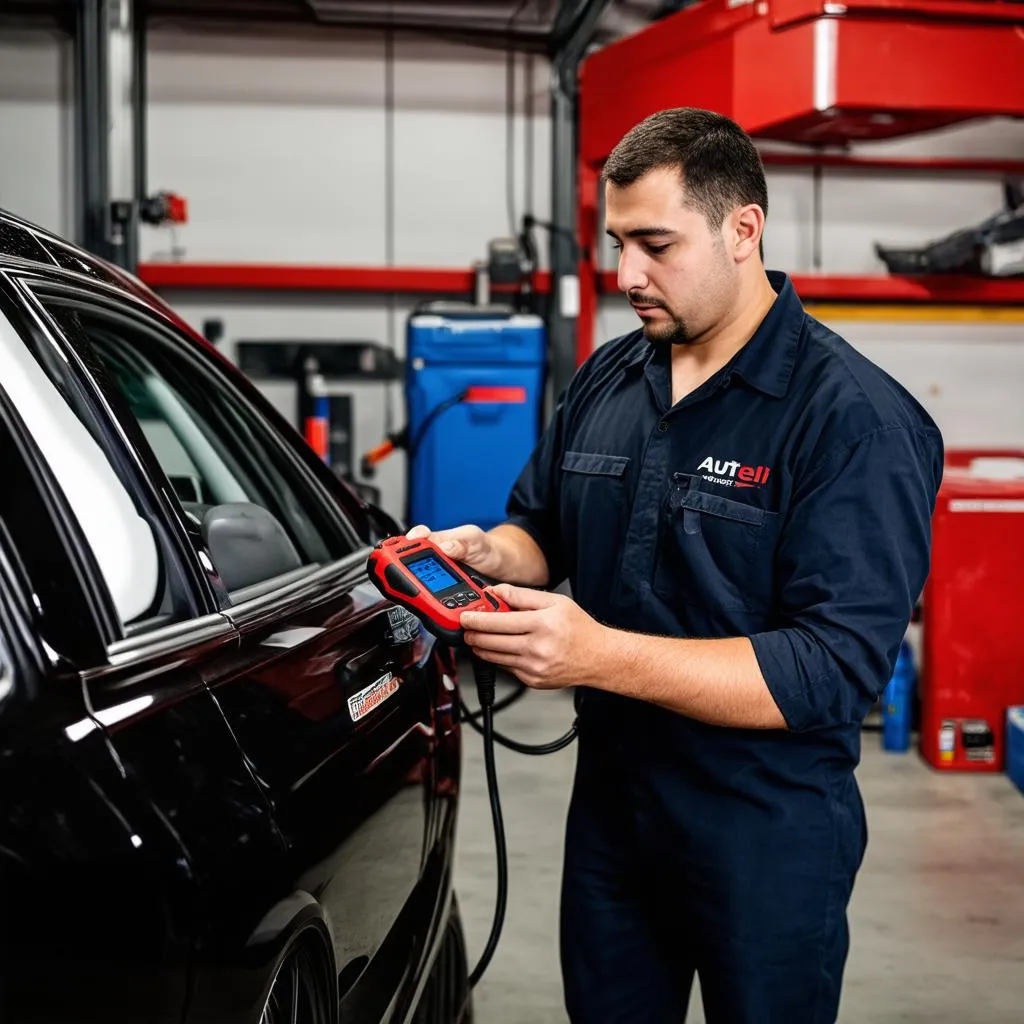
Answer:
[(247, 544)]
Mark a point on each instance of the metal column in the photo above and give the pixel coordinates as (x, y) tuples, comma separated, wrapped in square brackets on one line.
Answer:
[(574, 26), (92, 102), (110, 123)]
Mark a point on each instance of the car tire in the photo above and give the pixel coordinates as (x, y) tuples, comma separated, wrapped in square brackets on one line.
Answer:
[(299, 994), (447, 998)]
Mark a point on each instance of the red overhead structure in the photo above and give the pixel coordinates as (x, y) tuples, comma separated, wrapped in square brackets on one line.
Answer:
[(801, 71)]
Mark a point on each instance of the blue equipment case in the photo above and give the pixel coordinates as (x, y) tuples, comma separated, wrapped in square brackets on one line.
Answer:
[(464, 461), (1015, 746)]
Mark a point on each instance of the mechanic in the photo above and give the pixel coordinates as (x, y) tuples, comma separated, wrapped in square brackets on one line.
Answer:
[(741, 503)]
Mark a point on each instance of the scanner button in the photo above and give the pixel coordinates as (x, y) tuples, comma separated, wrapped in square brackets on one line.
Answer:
[(472, 595), (451, 603), (491, 599)]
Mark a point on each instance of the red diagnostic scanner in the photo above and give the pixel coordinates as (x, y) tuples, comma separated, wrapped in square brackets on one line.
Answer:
[(419, 576)]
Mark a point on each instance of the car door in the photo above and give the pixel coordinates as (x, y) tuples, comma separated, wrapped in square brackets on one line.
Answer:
[(330, 696), (95, 886)]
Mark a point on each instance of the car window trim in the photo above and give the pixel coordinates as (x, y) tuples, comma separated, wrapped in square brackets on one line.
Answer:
[(345, 572), (178, 636), (265, 587)]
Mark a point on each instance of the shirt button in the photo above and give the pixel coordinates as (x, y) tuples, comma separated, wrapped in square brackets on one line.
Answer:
[(663, 426)]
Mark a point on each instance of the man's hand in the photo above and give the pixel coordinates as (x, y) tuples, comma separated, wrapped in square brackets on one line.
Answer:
[(550, 642), (547, 640), (505, 552), (467, 544)]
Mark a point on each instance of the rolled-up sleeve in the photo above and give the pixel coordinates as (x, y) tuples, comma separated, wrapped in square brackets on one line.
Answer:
[(852, 561), (533, 502)]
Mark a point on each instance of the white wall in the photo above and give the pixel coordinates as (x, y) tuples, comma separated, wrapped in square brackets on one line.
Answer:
[(36, 128), (279, 144)]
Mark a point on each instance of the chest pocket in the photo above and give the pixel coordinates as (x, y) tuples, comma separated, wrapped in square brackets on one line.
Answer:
[(716, 551), (595, 516)]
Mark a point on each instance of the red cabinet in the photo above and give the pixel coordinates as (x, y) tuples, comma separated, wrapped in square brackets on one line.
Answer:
[(972, 627)]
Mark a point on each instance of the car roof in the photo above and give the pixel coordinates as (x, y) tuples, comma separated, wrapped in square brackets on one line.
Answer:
[(23, 243), (27, 246)]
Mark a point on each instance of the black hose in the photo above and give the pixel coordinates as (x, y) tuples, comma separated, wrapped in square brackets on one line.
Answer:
[(417, 439), (485, 675), (506, 702), (539, 749)]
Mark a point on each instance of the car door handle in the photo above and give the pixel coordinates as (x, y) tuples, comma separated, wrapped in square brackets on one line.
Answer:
[(364, 663)]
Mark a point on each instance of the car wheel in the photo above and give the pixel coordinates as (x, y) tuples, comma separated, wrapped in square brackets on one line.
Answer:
[(297, 995), (447, 998)]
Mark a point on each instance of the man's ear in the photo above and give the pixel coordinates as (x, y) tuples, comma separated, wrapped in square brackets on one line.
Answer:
[(746, 226)]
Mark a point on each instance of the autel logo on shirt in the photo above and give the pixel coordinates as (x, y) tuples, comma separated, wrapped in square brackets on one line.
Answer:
[(733, 474)]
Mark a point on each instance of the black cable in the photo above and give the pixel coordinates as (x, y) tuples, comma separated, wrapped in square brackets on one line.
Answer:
[(448, 403), (537, 750), (389, 147), (401, 439), (485, 676), (529, 222), (510, 106), (530, 116), (389, 204), (506, 702), (510, 136)]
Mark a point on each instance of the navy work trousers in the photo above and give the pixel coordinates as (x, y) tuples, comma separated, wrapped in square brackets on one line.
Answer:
[(759, 913)]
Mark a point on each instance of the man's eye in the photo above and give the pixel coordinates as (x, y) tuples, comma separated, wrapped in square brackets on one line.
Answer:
[(617, 246), (657, 250)]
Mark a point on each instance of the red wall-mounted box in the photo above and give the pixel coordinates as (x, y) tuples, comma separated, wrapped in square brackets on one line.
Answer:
[(972, 624)]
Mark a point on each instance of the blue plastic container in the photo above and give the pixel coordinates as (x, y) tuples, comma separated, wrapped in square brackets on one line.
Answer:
[(469, 456), (1015, 746), (898, 702)]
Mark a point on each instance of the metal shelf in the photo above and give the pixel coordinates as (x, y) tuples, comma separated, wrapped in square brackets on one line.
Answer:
[(271, 277), (939, 289), (900, 165)]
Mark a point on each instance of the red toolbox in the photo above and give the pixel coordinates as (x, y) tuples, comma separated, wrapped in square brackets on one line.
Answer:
[(973, 656)]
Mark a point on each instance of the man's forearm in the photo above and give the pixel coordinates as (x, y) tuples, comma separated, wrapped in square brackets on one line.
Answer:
[(521, 561), (714, 681)]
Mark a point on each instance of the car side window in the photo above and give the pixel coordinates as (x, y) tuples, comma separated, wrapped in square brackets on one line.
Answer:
[(115, 520), (230, 476)]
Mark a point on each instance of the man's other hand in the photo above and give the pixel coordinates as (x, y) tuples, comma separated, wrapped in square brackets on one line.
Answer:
[(547, 640)]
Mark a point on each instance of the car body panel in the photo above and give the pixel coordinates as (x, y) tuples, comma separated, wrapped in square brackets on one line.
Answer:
[(179, 808)]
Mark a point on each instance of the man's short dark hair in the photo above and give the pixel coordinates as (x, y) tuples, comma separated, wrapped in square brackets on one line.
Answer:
[(720, 165)]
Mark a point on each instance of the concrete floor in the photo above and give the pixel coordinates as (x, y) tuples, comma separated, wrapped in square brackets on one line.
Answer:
[(937, 918)]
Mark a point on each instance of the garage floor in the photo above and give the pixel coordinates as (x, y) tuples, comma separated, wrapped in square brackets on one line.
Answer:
[(937, 918)]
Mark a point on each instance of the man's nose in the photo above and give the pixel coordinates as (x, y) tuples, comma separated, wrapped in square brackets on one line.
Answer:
[(632, 271)]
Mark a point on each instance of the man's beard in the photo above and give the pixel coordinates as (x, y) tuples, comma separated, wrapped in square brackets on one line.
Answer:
[(674, 332)]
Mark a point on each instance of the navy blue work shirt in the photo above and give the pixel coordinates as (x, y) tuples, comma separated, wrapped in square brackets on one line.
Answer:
[(788, 499)]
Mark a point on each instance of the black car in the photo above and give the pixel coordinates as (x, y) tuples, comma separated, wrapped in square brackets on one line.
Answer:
[(229, 770)]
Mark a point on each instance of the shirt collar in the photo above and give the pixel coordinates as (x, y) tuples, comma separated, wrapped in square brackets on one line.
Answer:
[(766, 362)]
